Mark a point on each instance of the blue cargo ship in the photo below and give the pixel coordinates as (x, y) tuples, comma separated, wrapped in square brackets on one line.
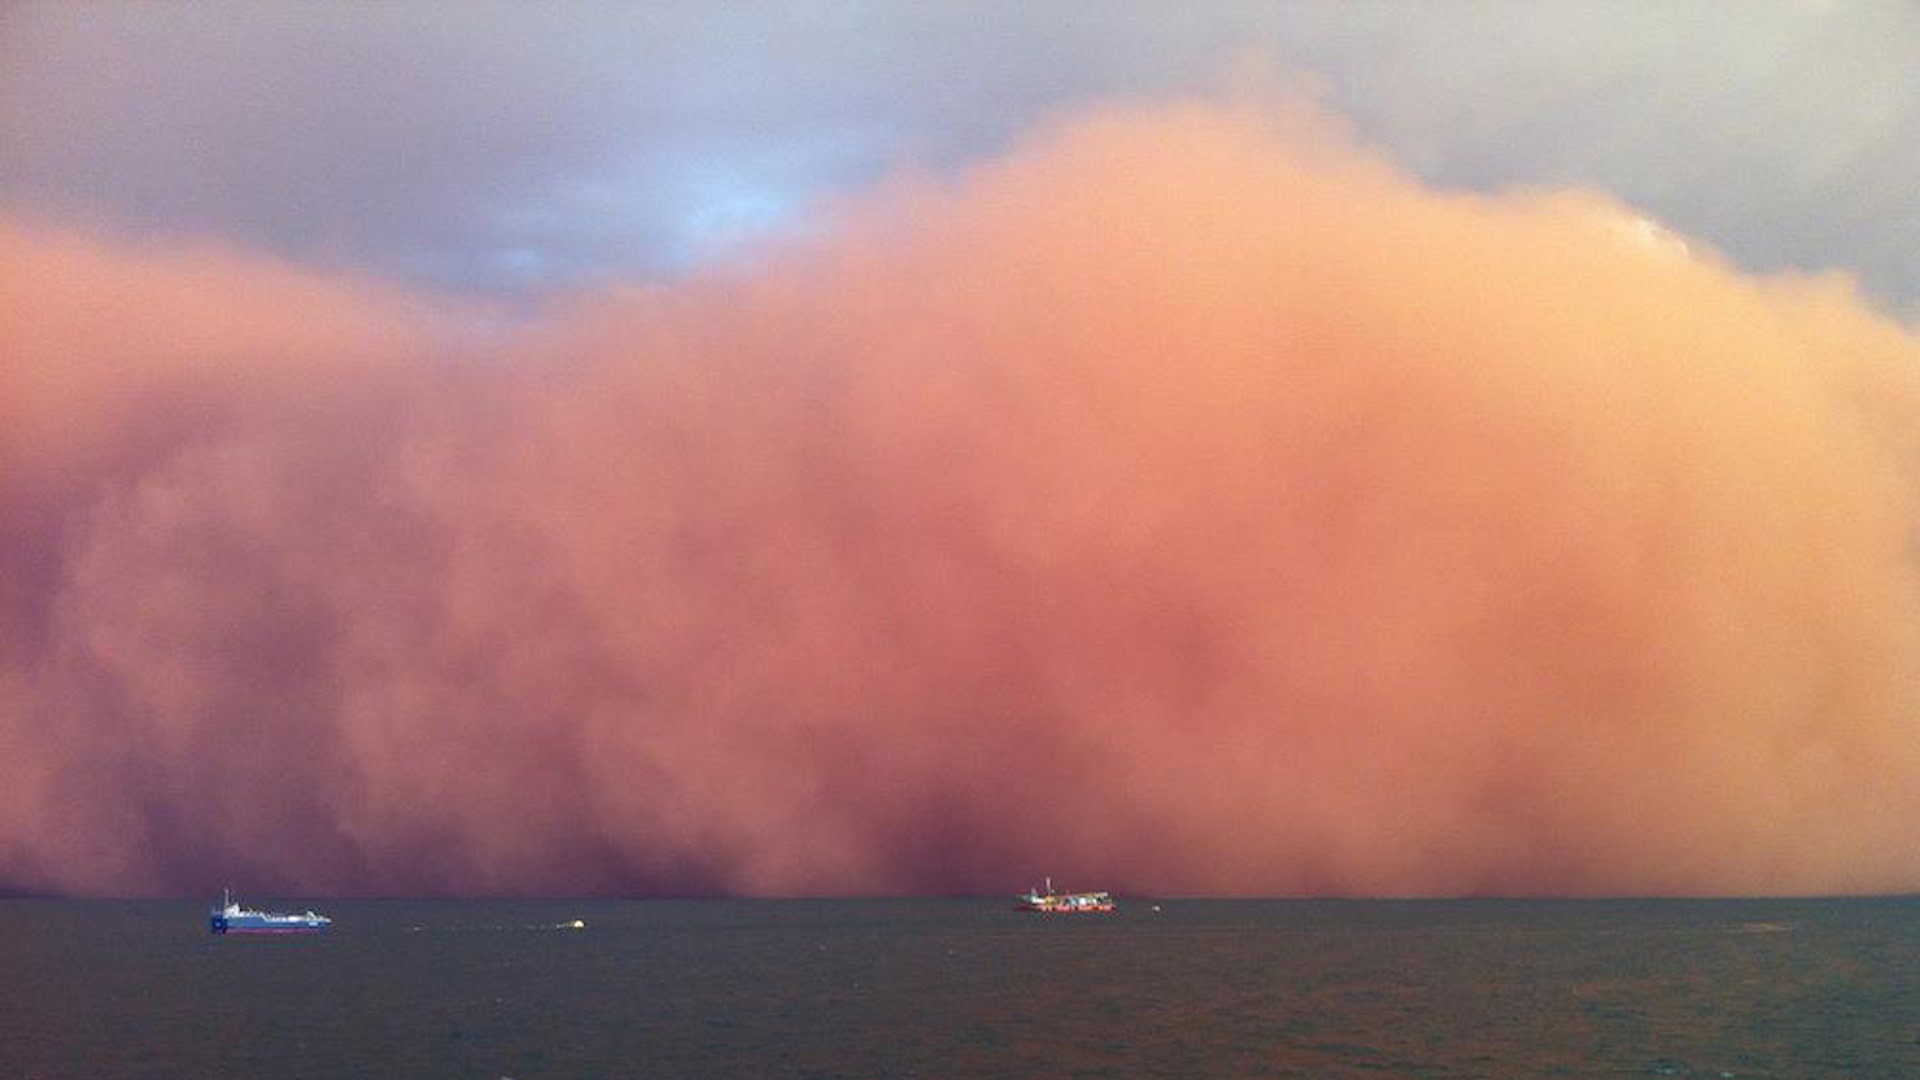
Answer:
[(231, 918)]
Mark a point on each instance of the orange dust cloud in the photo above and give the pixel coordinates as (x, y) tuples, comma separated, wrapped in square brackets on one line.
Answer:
[(1186, 502)]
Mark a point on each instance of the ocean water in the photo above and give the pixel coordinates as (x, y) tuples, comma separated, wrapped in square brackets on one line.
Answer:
[(957, 989)]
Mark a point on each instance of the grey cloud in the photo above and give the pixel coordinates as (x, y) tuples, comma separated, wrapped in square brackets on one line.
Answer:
[(509, 146), (1788, 134)]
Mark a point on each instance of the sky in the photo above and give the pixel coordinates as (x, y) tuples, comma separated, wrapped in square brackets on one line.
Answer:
[(844, 449)]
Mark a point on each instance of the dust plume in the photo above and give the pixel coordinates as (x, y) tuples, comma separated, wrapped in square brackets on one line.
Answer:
[(1185, 502)]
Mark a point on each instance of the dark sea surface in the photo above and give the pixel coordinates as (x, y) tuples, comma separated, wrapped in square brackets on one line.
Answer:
[(954, 989)]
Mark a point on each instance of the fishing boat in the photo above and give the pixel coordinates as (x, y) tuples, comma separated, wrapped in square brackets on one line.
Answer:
[(231, 918), (1058, 903)]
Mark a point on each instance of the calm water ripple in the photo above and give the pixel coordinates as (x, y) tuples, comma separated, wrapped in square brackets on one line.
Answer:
[(1758, 990)]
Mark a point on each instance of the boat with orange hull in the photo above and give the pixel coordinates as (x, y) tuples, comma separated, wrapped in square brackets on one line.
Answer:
[(1049, 902)]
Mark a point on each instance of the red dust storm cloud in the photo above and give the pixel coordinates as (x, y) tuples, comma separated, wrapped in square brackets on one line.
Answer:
[(1185, 502)]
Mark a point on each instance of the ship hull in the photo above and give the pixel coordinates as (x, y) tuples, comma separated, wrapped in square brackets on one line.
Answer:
[(221, 926), (1066, 909)]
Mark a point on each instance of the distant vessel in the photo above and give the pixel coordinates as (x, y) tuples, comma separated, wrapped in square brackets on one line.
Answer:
[(1073, 903), (231, 918)]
